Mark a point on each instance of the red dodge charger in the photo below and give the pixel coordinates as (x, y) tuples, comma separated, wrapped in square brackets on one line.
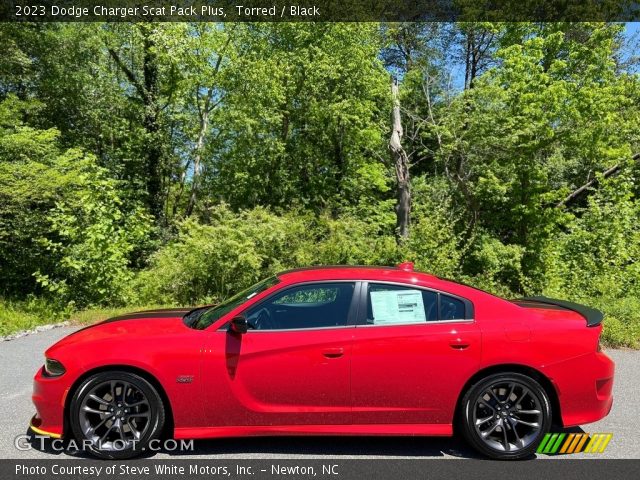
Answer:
[(331, 351)]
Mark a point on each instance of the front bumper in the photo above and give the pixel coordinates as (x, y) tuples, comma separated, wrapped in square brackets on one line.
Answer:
[(36, 423), (49, 394), (585, 387)]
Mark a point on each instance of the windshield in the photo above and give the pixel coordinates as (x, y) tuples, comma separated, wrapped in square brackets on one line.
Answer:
[(201, 318)]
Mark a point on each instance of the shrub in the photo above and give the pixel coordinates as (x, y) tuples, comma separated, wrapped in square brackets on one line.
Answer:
[(206, 263), (65, 230), (598, 254)]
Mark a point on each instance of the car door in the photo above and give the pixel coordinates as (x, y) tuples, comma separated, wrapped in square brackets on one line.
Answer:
[(413, 350), (292, 366)]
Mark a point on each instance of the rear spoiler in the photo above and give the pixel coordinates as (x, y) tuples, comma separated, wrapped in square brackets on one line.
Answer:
[(594, 317)]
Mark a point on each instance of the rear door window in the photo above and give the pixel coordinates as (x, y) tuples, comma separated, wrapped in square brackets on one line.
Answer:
[(399, 305)]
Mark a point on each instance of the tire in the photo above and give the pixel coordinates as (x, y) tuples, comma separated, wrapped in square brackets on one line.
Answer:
[(499, 417), (114, 415)]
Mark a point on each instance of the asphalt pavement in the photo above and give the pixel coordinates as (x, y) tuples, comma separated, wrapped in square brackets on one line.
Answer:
[(21, 357)]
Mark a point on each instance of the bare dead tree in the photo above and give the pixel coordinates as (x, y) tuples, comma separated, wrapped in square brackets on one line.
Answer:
[(401, 164)]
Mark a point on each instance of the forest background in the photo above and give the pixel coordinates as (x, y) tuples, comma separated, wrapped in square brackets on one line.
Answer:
[(148, 164)]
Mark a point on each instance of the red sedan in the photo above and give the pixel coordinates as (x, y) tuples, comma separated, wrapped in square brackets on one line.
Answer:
[(331, 351)]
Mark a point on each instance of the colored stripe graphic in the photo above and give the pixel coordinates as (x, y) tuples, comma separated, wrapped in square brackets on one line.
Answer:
[(544, 441), (598, 443), (556, 445), (566, 444), (606, 442), (581, 443), (573, 443), (592, 440), (550, 443)]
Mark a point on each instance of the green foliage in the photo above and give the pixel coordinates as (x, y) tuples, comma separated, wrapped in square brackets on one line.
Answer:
[(595, 260), (27, 314), (531, 130), (496, 267), (308, 112), (349, 240), (63, 229), (178, 163), (434, 245), (93, 239), (206, 263), (597, 255), (622, 320)]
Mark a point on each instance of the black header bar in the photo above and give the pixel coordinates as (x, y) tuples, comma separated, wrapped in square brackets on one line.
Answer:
[(319, 10)]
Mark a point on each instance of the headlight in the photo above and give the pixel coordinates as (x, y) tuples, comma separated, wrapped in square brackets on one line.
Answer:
[(53, 368)]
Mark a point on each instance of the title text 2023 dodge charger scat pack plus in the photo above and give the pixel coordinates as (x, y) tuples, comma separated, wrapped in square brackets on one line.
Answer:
[(331, 351)]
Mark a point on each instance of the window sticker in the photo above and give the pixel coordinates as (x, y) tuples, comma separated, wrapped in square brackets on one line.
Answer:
[(397, 306)]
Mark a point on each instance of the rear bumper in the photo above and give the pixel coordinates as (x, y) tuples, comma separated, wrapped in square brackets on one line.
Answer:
[(584, 386), (48, 397)]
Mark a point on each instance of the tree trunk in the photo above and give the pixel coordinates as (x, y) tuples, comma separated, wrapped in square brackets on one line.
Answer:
[(148, 89), (401, 164), (197, 162), (154, 168)]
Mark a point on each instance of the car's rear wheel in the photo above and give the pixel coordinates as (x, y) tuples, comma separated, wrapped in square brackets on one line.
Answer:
[(116, 414), (506, 415)]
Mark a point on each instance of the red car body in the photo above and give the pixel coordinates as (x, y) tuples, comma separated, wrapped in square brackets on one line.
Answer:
[(352, 379)]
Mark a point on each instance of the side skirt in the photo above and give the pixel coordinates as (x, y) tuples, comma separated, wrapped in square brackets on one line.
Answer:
[(440, 430)]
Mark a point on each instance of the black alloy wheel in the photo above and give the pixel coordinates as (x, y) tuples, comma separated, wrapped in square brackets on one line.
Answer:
[(506, 415), (116, 414)]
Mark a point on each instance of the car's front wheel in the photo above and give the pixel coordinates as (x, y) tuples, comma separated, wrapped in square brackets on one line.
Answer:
[(506, 415), (116, 414)]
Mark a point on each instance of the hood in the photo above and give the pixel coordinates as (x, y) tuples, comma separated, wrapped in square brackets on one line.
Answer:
[(146, 323), (158, 313)]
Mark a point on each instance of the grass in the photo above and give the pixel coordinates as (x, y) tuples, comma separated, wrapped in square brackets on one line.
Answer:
[(621, 322), (14, 318), (28, 314)]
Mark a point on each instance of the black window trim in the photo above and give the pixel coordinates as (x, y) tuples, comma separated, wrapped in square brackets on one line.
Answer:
[(469, 312), (352, 315)]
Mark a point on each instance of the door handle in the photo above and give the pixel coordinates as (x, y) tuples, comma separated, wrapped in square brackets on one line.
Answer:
[(459, 344), (333, 352)]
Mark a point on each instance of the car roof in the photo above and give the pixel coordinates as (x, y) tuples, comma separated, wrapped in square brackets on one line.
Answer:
[(403, 273)]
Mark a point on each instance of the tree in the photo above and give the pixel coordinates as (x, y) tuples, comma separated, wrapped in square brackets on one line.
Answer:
[(401, 164), (146, 83), (304, 123), (64, 229)]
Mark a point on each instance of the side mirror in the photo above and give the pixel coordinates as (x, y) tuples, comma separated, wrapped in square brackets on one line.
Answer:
[(239, 325)]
